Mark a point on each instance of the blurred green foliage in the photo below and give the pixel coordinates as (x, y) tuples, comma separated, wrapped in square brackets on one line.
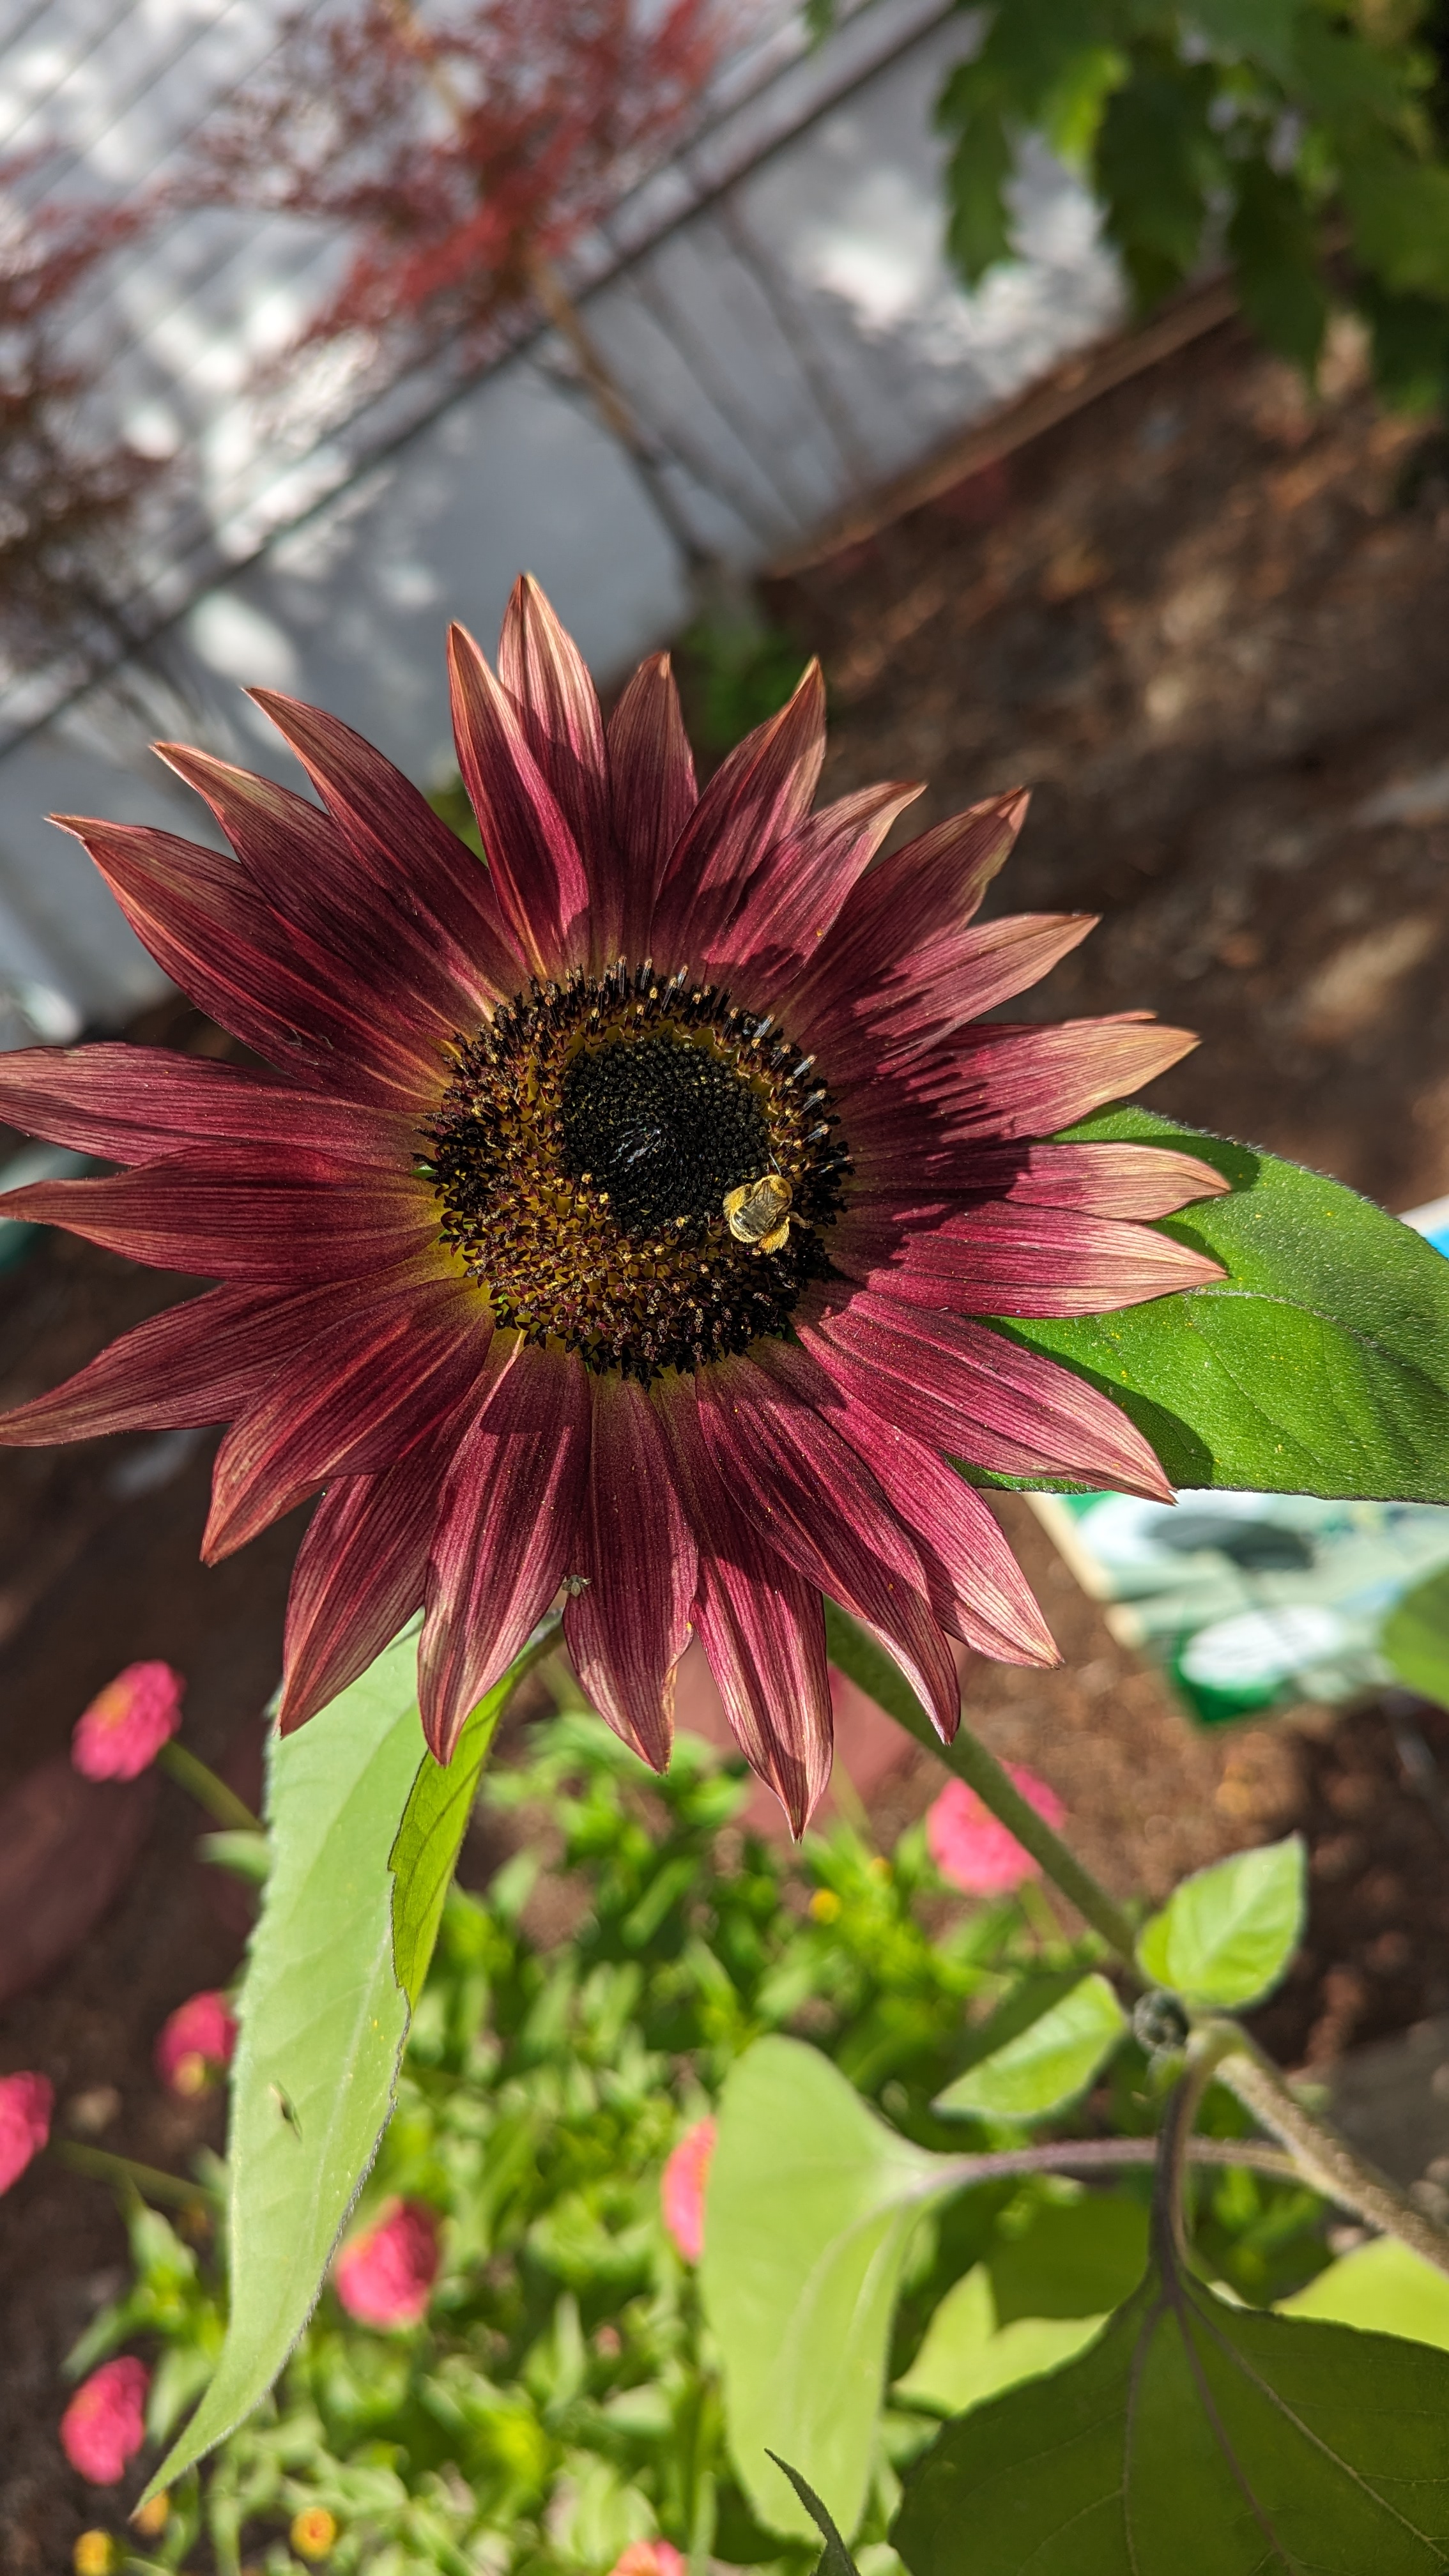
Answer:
[(1306, 142), (561, 2400)]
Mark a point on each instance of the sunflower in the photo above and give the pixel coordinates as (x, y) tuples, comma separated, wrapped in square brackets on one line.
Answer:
[(615, 1218)]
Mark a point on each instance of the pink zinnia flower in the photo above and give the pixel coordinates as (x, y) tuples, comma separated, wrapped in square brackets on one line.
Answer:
[(682, 2186), (626, 1209), (104, 2425), (384, 2275), (26, 2103), (976, 1853), (195, 2043), (650, 2558), (127, 1723)]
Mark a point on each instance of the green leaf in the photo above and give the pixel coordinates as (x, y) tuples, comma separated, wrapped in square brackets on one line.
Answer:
[(966, 2357), (1320, 1365), (1273, 243), (1225, 1936), (1155, 159), (1195, 2439), (1077, 2258), (811, 2202), (1381, 2288), (835, 2558), (1048, 2064), (435, 1819), (322, 2026), (1414, 1639)]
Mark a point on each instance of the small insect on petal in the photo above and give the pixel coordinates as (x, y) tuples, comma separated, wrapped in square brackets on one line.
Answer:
[(758, 1212)]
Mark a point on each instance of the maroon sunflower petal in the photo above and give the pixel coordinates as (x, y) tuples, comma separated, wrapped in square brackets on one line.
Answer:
[(964, 1389), (653, 794), (371, 1379), (277, 990), (309, 871), (421, 869), (1014, 1260), (930, 887), (975, 1586), (193, 1364), (762, 1626), (825, 1514), (1140, 1181), (755, 798), (548, 680), (797, 891), (916, 1129), (533, 858), (358, 1578), (229, 1212), (956, 980), (507, 1528), (133, 1104), (627, 1630)]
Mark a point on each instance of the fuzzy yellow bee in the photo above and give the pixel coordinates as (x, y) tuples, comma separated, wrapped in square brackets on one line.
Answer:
[(759, 1212)]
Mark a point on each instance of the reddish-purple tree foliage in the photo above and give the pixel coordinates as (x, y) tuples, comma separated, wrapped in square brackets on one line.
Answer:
[(461, 156), (69, 487)]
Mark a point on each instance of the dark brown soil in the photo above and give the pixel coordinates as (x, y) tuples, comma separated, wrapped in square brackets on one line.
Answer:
[(1207, 625)]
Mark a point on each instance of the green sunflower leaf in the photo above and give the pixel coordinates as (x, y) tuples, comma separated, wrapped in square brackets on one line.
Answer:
[(1319, 1365), (1047, 2064), (1196, 2438), (350, 1916), (435, 1820), (323, 2020), (1226, 1935), (811, 2204)]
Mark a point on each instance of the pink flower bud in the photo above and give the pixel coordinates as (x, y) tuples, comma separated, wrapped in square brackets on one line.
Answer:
[(127, 1723), (681, 2189), (104, 2425), (26, 2103), (650, 2558), (195, 2043), (385, 2274), (976, 1853)]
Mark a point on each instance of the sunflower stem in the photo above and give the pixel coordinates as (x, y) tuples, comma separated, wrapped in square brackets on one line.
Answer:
[(1327, 2160), (208, 1791), (968, 1757)]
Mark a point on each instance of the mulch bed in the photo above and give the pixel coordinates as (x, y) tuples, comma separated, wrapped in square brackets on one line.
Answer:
[(1207, 623)]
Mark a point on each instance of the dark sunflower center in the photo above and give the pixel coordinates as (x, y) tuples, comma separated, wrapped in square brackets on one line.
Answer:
[(637, 1169), (665, 1127)]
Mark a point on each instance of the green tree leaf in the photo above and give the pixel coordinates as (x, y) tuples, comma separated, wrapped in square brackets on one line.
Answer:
[(1048, 2064), (1320, 1365), (1195, 2439), (322, 2026), (1273, 244), (435, 1819), (810, 2205), (1414, 1639), (1225, 1936)]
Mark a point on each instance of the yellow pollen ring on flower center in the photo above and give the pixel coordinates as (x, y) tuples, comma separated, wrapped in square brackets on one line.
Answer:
[(636, 1168)]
